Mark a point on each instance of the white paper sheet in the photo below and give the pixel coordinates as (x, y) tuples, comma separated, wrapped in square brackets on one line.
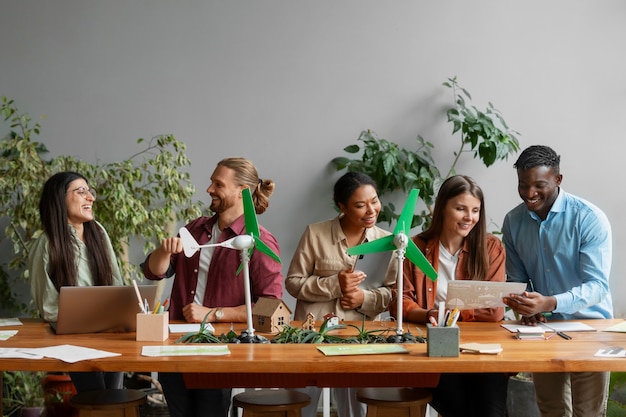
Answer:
[(186, 350), (559, 326), (7, 334), (70, 353), (10, 322), (189, 327)]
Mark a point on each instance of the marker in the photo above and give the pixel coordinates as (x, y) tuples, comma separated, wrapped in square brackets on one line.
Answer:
[(166, 304), (440, 318), (455, 317), (156, 307), (141, 306), (432, 321)]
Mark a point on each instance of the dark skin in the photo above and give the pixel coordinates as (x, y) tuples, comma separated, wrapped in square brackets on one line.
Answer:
[(538, 187)]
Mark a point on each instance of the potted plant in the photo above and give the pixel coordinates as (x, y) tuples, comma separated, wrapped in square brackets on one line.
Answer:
[(151, 187), (23, 394), (484, 133)]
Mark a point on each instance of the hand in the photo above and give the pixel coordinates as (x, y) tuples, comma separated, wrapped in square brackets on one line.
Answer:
[(530, 304), (172, 245), (533, 320), (194, 313), (349, 280), (352, 300)]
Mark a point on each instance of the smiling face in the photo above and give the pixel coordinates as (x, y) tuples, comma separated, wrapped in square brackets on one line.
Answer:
[(224, 191), (362, 208), (79, 202), (538, 187), (460, 215)]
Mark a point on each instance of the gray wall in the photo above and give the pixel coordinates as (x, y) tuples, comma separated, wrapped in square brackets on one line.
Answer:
[(289, 84)]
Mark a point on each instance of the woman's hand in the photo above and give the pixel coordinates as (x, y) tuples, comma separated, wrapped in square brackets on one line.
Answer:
[(351, 295)]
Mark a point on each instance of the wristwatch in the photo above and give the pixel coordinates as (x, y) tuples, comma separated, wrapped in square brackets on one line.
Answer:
[(219, 313)]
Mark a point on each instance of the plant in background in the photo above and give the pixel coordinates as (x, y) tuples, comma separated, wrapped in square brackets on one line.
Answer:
[(21, 389), (137, 197), (483, 133)]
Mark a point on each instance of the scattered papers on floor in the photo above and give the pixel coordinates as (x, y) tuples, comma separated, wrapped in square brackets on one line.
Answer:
[(10, 322), (487, 348), (368, 349), (611, 352), (186, 350), (66, 353), (7, 334)]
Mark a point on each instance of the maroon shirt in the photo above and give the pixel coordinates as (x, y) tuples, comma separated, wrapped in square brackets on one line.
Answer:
[(224, 288)]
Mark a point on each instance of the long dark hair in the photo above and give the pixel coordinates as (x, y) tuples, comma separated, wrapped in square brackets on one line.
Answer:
[(478, 261), (63, 269)]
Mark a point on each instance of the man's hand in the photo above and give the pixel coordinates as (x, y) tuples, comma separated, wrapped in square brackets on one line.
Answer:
[(194, 313), (530, 304), (172, 245)]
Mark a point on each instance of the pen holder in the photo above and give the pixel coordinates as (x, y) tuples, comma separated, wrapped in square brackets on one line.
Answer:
[(152, 327), (443, 341)]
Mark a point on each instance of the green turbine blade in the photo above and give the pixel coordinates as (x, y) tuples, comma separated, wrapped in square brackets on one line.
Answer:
[(417, 257), (382, 244), (249, 214), (406, 217), (262, 247)]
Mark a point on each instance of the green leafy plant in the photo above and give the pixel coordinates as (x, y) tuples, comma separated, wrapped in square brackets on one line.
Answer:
[(484, 133), (21, 389), (137, 197)]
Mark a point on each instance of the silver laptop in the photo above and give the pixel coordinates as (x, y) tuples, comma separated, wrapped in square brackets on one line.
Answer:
[(100, 308)]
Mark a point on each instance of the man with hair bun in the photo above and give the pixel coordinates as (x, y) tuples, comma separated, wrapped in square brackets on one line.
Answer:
[(208, 282), (560, 245)]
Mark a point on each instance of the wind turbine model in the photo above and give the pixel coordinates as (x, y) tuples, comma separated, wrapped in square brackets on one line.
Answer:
[(245, 244), (399, 240)]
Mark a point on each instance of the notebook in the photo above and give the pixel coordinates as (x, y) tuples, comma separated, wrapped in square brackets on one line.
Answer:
[(375, 267), (100, 308)]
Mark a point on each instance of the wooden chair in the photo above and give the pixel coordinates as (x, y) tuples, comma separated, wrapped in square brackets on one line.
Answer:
[(109, 403), (274, 402), (395, 402)]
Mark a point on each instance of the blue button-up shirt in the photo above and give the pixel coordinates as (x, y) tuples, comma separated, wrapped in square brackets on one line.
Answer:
[(567, 255)]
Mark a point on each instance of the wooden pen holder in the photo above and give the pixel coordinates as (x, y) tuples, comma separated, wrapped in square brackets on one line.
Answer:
[(152, 327)]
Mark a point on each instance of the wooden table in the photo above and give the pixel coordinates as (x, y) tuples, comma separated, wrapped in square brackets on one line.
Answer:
[(291, 365)]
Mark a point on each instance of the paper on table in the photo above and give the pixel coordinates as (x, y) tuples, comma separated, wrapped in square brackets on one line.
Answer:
[(15, 353), (467, 294), (186, 350), (6, 334), (70, 353), (10, 322), (189, 327), (369, 349), (490, 348), (559, 326), (611, 352), (619, 327)]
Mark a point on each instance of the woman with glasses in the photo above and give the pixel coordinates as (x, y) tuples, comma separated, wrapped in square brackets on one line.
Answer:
[(73, 250)]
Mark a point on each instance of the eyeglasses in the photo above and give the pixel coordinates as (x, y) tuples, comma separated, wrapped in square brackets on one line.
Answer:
[(82, 191)]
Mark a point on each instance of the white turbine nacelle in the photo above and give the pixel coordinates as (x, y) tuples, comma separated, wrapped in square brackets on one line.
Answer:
[(242, 242), (400, 240)]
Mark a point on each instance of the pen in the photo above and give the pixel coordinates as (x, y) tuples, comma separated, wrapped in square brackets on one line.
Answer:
[(141, 306), (156, 307), (432, 321), (559, 333), (455, 317)]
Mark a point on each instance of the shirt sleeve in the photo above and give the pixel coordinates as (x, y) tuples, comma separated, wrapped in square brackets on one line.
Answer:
[(45, 295)]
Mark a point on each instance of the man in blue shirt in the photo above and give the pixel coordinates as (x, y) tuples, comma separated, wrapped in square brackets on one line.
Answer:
[(560, 245)]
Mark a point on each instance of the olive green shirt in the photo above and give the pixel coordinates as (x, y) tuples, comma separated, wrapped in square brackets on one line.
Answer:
[(45, 295)]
